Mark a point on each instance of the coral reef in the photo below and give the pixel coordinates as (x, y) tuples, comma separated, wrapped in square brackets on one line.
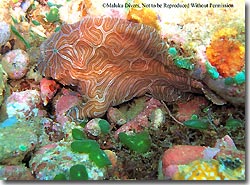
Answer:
[(94, 90), (210, 170), (146, 16)]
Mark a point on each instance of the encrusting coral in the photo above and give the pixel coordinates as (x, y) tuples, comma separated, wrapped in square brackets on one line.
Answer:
[(225, 53)]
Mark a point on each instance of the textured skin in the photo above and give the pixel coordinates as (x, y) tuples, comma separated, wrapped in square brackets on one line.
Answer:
[(111, 61)]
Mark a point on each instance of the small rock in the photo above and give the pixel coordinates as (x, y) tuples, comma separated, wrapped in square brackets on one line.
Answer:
[(16, 63), (181, 156), (93, 127), (116, 116), (141, 121), (23, 104)]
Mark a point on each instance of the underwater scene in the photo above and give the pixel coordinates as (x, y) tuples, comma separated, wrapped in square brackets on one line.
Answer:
[(122, 90)]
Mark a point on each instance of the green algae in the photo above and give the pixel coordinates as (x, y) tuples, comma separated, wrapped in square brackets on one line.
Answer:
[(197, 124), (14, 30), (140, 142), (36, 23), (104, 125), (90, 147), (84, 146), (100, 158), (77, 134), (212, 71), (184, 63), (60, 177), (233, 124), (229, 81), (172, 51), (240, 77), (3, 79), (132, 110), (53, 15), (78, 172)]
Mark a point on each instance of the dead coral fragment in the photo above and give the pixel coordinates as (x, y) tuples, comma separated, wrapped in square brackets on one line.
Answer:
[(226, 53)]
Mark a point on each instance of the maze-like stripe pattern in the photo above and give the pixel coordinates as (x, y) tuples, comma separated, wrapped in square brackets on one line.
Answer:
[(111, 61)]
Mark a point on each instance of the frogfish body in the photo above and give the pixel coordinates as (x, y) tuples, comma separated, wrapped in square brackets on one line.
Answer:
[(111, 61)]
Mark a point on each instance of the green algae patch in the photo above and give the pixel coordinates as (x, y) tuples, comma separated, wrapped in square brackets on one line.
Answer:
[(197, 124), (140, 142), (84, 146), (100, 158), (233, 124), (172, 51), (78, 172), (53, 14), (240, 78), (60, 177), (184, 63), (104, 126), (212, 71), (77, 134), (3, 80)]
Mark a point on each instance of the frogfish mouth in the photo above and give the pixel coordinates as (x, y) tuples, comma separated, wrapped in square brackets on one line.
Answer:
[(113, 60)]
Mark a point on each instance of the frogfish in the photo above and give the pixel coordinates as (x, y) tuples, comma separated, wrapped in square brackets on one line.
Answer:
[(111, 61)]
